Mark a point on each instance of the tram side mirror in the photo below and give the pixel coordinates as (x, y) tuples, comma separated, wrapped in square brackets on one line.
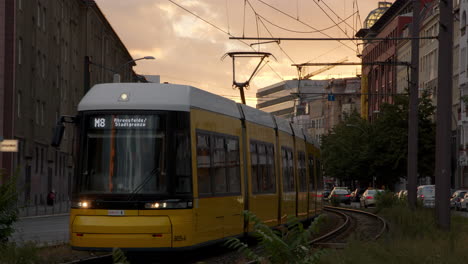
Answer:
[(60, 129), (58, 134)]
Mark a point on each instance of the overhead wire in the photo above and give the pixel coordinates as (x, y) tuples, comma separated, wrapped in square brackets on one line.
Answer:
[(286, 14), (220, 29), (325, 12), (342, 20), (302, 32)]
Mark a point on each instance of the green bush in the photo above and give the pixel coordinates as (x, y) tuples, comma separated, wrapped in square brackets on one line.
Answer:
[(288, 245), (8, 206), (385, 199), (413, 237), (11, 253)]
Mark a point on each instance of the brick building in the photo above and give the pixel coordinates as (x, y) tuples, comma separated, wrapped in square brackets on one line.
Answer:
[(43, 45)]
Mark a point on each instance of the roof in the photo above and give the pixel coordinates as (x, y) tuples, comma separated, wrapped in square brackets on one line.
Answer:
[(283, 125), (297, 131), (257, 116), (155, 96)]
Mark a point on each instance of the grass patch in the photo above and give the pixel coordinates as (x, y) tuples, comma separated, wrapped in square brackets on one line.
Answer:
[(413, 238)]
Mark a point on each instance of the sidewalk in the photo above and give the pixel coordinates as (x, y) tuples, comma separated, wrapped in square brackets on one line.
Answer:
[(44, 210)]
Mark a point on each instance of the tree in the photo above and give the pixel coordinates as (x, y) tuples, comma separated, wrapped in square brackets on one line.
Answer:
[(360, 150), (8, 206)]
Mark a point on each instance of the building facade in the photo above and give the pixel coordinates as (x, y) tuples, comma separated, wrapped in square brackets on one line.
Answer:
[(317, 106), (285, 98), (44, 76)]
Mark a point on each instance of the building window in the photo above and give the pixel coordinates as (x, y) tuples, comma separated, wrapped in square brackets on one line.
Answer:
[(20, 51), (43, 66), (18, 104), (39, 15), (42, 160), (44, 17), (42, 113), (38, 113)]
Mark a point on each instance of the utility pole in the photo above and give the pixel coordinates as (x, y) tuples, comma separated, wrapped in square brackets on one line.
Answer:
[(412, 165), (444, 112)]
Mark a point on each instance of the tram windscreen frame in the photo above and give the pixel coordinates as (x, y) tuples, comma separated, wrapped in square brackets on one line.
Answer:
[(135, 155)]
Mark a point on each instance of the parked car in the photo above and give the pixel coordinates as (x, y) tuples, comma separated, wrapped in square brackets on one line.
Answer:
[(463, 204), (457, 196), (426, 194), (368, 197), (325, 194), (356, 194), (402, 194), (341, 194)]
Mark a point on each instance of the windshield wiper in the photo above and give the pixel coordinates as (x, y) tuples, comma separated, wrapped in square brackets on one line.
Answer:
[(154, 172)]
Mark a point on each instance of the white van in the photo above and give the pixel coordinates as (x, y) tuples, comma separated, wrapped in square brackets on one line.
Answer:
[(426, 194)]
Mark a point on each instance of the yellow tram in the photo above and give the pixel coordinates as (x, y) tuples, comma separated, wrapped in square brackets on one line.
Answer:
[(163, 167)]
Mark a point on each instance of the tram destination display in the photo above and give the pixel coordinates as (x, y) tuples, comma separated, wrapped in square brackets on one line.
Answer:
[(124, 122)]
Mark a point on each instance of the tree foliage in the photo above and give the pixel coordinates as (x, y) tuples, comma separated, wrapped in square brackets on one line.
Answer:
[(357, 149), (8, 206)]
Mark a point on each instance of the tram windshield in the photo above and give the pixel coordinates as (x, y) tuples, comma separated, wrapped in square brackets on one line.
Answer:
[(128, 154)]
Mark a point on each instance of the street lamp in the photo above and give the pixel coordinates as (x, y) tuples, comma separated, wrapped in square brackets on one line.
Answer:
[(117, 74)]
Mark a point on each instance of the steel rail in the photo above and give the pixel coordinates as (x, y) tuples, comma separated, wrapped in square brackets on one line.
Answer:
[(384, 223), (335, 231)]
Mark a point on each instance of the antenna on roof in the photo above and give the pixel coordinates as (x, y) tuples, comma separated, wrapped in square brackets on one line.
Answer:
[(251, 54)]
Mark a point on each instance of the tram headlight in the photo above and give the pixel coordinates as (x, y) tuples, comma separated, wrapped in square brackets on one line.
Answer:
[(81, 204)]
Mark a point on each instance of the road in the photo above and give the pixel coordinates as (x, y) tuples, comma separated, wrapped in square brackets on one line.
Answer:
[(44, 230)]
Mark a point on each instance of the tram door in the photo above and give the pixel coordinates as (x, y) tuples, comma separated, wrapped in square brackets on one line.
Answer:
[(218, 178)]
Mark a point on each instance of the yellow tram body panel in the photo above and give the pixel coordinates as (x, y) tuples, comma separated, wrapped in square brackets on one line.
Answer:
[(92, 228), (288, 199), (302, 202), (216, 217), (264, 206)]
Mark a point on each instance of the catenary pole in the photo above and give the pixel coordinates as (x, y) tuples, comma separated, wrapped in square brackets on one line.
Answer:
[(412, 166), (444, 112)]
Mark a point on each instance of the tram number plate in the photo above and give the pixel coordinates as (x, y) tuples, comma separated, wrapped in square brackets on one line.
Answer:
[(115, 212)]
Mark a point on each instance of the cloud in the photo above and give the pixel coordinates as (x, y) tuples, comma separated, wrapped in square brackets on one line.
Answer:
[(189, 51)]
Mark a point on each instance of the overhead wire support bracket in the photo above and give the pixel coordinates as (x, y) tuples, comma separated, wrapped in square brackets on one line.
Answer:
[(245, 54)]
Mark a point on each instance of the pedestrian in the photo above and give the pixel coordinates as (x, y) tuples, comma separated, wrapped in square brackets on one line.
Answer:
[(51, 198)]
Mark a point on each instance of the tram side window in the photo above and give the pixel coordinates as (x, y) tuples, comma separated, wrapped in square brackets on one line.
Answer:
[(318, 172), (262, 167), (203, 163), (311, 174), (288, 170), (233, 165), (301, 168), (218, 164)]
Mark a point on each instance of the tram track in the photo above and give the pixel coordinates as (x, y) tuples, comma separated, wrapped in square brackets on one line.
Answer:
[(360, 224)]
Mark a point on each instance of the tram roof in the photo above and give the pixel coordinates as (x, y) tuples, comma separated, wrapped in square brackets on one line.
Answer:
[(297, 131), (257, 116), (155, 96), (283, 125)]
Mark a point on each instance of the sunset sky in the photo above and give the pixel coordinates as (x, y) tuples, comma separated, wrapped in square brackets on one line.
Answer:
[(188, 50)]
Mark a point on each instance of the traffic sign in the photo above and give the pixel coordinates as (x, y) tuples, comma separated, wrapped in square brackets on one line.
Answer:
[(9, 145), (331, 97)]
